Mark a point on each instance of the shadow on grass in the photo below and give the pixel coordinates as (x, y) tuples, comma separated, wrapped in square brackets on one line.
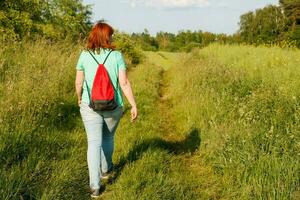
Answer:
[(187, 146), (66, 118)]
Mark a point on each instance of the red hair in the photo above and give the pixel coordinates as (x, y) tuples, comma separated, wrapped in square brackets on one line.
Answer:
[(100, 37)]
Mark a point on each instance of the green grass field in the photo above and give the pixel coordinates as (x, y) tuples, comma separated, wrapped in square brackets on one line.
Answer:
[(221, 122)]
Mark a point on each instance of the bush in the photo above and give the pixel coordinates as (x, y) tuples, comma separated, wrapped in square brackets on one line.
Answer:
[(133, 55)]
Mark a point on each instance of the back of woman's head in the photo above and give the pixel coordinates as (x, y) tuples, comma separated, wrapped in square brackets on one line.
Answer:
[(100, 37)]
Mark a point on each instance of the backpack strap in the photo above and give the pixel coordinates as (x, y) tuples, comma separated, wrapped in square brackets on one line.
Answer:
[(104, 59), (87, 87), (117, 78), (93, 57), (107, 56)]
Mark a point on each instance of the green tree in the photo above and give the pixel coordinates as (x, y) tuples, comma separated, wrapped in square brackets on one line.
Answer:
[(292, 12), (166, 41), (265, 25), (246, 27), (208, 38), (145, 41), (54, 19)]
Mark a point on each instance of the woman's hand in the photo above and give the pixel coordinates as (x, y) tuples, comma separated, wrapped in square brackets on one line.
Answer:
[(79, 102), (126, 88), (134, 113)]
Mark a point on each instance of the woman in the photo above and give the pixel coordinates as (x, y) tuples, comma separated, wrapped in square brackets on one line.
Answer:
[(101, 126)]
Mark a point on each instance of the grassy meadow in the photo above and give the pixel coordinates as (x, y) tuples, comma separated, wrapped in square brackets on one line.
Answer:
[(221, 122), (41, 134), (246, 102)]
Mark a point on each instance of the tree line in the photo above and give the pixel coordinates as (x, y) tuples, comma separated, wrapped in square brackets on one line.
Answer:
[(182, 41), (60, 19), (271, 25), (53, 19)]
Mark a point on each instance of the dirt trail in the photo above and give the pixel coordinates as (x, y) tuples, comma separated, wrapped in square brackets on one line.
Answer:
[(169, 126), (185, 145), (167, 123)]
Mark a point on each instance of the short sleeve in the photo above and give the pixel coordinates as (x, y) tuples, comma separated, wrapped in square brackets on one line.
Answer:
[(120, 61), (79, 65)]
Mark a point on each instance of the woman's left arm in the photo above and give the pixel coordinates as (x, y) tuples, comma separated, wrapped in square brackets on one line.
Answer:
[(78, 85)]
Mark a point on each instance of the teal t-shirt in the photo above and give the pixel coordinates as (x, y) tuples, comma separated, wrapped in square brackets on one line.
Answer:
[(113, 64)]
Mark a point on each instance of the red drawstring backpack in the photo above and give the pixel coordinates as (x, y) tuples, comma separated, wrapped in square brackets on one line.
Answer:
[(103, 92)]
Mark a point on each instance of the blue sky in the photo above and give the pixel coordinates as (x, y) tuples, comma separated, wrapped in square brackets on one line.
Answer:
[(217, 16)]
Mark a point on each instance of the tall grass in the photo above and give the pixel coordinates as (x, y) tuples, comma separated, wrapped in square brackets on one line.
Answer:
[(42, 141), (242, 103), (246, 102), (39, 119)]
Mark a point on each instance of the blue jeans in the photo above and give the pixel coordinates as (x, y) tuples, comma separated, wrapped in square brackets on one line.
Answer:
[(100, 128)]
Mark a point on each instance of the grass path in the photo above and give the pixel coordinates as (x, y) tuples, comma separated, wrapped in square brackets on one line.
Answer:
[(186, 142)]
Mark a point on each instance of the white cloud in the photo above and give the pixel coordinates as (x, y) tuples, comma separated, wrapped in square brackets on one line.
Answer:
[(132, 3), (176, 3), (169, 4)]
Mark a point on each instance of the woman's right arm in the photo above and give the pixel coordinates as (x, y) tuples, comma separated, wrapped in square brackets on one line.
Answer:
[(127, 90), (78, 84)]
